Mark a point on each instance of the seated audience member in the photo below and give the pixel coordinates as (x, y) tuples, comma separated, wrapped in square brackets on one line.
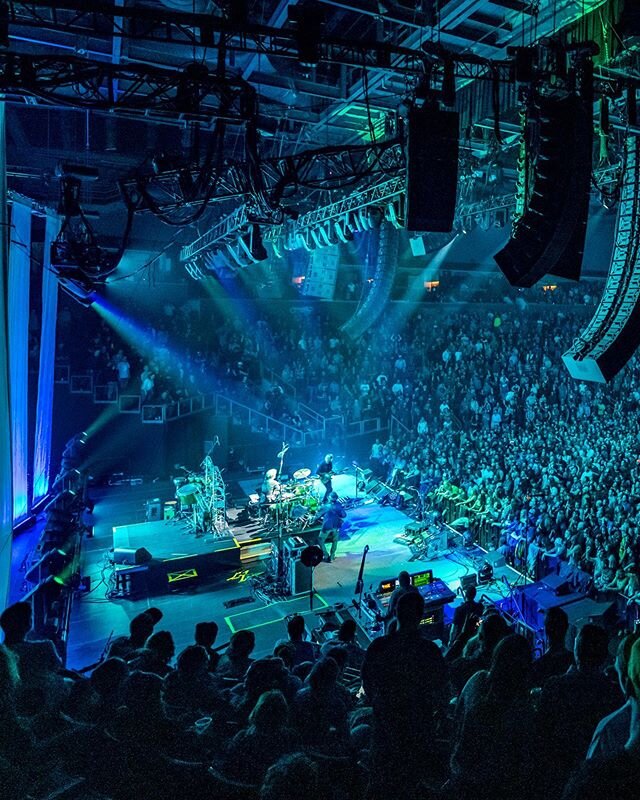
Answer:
[(107, 681), (16, 740), (285, 652), (468, 608), (304, 650), (236, 660), (618, 775), (206, 635), (612, 732), (264, 675), (142, 720), (319, 709), (267, 737), (41, 684), (140, 629), (556, 659), (496, 765), (190, 689), (155, 656), (571, 705), (346, 638), (291, 778), (492, 629), (405, 679)]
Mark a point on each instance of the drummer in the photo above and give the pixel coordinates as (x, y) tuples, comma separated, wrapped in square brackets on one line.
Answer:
[(270, 487)]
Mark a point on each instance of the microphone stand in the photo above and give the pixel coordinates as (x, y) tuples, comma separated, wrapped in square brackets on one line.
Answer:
[(359, 590)]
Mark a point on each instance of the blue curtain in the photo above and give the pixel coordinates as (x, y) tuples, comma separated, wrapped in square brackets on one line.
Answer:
[(6, 509), (44, 409), (18, 319)]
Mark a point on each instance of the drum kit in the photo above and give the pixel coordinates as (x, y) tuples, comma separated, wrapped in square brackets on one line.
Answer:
[(202, 499), (295, 506)]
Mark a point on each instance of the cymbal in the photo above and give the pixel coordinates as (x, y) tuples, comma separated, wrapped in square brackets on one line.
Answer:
[(300, 474)]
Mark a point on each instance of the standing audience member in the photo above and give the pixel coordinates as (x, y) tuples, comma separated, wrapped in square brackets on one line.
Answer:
[(618, 775), (470, 607), (612, 732), (494, 727), (405, 679), (557, 658), (571, 705)]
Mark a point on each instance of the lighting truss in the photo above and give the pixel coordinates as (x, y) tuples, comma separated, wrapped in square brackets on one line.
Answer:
[(174, 28), (323, 168), (226, 230), (611, 337), (138, 89)]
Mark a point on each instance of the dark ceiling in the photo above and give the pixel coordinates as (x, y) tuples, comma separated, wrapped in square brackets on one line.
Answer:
[(369, 67)]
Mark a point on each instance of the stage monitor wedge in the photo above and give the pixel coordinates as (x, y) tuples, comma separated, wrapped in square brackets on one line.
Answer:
[(432, 169)]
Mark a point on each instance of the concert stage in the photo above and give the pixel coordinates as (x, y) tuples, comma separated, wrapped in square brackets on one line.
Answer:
[(155, 557), (224, 595)]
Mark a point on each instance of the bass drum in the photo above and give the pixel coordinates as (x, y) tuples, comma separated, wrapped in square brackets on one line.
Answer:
[(311, 503), (188, 494)]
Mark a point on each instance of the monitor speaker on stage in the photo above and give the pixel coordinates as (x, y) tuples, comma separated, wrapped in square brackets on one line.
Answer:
[(131, 555)]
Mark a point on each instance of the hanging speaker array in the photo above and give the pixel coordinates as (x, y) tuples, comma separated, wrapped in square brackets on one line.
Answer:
[(553, 183)]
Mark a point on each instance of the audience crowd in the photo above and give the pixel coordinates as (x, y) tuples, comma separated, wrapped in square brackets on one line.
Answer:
[(325, 717)]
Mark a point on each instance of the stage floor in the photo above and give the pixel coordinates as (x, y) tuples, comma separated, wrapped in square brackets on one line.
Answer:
[(94, 618)]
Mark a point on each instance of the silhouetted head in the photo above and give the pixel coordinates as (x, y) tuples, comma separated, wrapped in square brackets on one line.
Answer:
[(404, 579), (109, 676), (591, 647), (410, 610), (241, 644), (510, 666), (161, 643), (556, 625), (206, 633), (492, 629), (16, 621), (295, 628), (193, 660), (286, 652), (291, 778), (270, 712), (470, 593), (141, 628), (323, 675), (347, 632), (623, 657), (142, 693)]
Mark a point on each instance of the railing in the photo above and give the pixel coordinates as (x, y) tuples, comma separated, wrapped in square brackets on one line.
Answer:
[(364, 426), (397, 428), (273, 377), (242, 414)]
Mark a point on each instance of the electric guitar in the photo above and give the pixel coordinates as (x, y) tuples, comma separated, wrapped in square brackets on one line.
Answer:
[(325, 477)]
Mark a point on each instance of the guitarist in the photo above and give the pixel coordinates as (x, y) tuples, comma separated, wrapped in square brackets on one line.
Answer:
[(325, 472)]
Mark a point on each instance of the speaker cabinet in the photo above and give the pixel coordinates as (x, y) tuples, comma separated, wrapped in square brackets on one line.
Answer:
[(432, 169), (131, 556)]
